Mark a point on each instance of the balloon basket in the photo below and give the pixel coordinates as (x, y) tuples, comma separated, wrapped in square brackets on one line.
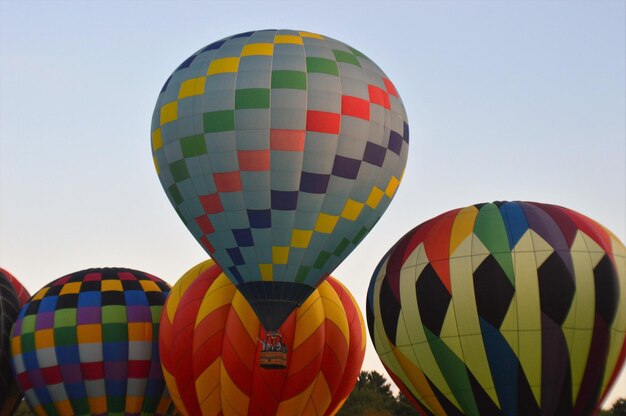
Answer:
[(273, 352)]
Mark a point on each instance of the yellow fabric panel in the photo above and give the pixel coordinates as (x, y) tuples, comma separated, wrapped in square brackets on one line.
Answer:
[(212, 404), (97, 404), (334, 310), (156, 165), (321, 395), (139, 331), (44, 338), (133, 404), (392, 186), (251, 49), (39, 295), (221, 294), (296, 404), (180, 287), (301, 238), (296, 40), (280, 255), (509, 328), (310, 35), (352, 209), (619, 323), (462, 228), (529, 310), (172, 388), (326, 223), (478, 251), (149, 286), (207, 386), (219, 66), (191, 87), (308, 319), (410, 312), (267, 272), (73, 287), (374, 197), (231, 395), (169, 112), (247, 316), (111, 286), (40, 411), (16, 346), (579, 322), (468, 324), (89, 333), (449, 332), (542, 249), (157, 139), (418, 384), (65, 408)]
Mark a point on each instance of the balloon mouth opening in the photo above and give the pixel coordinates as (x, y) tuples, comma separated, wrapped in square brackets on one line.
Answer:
[(273, 352)]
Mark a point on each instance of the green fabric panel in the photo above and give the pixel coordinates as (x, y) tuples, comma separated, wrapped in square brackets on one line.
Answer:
[(28, 342), (341, 247), (347, 57), (215, 121), (252, 98), (175, 194), (114, 332), (193, 145), (321, 65), (357, 53), (490, 229), (289, 79), (359, 236), (112, 314), (116, 405), (80, 406), (179, 170), (28, 324), (65, 336), (64, 317), (50, 410), (303, 272), (321, 260), (455, 373)]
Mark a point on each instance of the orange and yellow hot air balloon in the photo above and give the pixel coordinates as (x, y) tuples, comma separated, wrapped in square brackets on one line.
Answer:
[(210, 346)]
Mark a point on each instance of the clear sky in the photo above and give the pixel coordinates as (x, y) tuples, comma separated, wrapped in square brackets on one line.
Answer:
[(506, 100)]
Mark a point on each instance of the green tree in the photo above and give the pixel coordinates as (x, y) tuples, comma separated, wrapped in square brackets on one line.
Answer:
[(372, 396)]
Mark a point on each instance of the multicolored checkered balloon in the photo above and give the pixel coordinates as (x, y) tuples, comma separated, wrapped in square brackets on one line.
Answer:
[(87, 344), (510, 308), (280, 150)]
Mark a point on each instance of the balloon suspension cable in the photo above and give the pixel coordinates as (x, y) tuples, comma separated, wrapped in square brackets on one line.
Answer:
[(273, 351)]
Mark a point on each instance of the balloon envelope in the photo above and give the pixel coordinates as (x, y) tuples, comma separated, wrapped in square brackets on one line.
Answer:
[(210, 349), (87, 344), (510, 308), (280, 150), (12, 296)]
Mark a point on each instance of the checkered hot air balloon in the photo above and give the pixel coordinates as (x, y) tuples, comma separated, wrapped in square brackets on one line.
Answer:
[(12, 297), (509, 308), (211, 342), (280, 150), (87, 344)]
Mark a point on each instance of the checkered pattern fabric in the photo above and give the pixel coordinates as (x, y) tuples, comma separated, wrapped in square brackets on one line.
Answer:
[(87, 344), (280, 150)]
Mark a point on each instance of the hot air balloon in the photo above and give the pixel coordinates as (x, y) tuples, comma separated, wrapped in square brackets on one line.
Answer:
[(506, 308), (280, 150), (211, 344), (12, 296), (87, 344)]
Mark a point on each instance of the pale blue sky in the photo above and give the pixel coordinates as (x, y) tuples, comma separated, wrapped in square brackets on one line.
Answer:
[(506, 100)]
